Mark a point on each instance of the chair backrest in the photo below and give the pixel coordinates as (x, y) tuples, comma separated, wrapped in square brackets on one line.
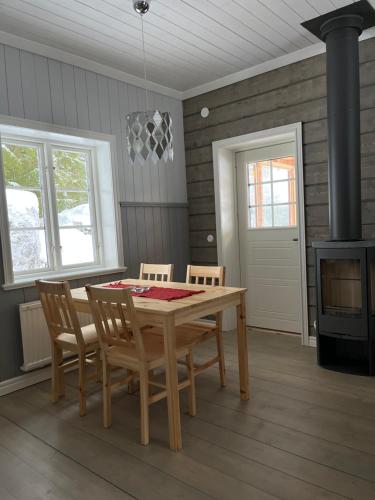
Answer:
[(156, 272), (206, 275), (58, 309), (115, 318)]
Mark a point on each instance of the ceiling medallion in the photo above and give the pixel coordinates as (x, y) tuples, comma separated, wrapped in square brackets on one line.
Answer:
[(149, 132)]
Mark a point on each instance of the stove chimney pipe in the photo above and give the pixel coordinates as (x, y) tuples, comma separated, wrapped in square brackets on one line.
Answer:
[(340, 31), (344, 141)]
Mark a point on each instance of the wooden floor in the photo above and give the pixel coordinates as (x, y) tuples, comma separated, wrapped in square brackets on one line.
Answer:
[(306, 433)]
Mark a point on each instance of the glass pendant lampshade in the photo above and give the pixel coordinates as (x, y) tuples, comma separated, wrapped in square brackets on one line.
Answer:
[(150, 136), (149, 132)]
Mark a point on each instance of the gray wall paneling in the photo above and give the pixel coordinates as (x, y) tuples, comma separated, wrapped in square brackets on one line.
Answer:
[(38, 88), (158, 233), (286, 95)]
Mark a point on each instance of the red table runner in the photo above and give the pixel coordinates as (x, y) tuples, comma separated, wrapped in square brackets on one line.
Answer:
[(156, 292)]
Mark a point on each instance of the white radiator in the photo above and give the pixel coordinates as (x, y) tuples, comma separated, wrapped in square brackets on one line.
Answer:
[(35, 337)]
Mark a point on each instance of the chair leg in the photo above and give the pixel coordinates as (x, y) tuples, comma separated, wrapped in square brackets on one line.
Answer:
[(98, 366), (192, 400), (82, 383), (56, 376), (220, 351), (107, 413), (145, 425)]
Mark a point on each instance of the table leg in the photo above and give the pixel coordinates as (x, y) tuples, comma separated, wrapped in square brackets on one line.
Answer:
[(174, 422), (242, 349)]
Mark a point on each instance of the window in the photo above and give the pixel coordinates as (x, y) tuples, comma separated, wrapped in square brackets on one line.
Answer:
[(272, 193), (54, 206)]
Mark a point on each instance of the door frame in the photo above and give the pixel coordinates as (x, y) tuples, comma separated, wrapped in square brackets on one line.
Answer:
[(227, 229)]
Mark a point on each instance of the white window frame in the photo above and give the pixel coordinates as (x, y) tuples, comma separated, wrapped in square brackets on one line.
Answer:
[(48, 137)]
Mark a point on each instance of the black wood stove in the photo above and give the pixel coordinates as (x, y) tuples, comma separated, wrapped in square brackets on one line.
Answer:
[(345, 265)]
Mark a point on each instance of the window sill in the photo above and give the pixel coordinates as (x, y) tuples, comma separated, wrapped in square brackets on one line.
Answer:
[(68, 276)]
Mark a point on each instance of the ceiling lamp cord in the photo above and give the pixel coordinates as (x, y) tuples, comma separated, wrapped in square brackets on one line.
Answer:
[(144, 65)]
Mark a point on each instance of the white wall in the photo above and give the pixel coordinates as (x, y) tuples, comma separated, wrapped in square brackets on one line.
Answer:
[(38, 88)]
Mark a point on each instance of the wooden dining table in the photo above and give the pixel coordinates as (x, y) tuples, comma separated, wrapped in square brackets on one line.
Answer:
[(168, 315)]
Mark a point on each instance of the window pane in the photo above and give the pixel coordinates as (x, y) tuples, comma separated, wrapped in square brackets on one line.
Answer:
[(281, 192), (252, 200), (280, 174), (250, 173), (283, 168), (266, 195), (77, 246), (265, 171), (266, 217), (21, 165), (252, 217), (73, 208), (25, 208), (70, 169), (282, 215), (29, 250)]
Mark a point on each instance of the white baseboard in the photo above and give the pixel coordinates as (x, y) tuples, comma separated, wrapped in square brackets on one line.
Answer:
[(17, 383)]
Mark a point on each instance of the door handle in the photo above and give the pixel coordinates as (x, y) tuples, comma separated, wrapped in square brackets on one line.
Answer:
[(295, 239)]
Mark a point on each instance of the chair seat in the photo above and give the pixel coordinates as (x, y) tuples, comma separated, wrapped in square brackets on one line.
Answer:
[(154, 350), (193, 333), (69, 340)]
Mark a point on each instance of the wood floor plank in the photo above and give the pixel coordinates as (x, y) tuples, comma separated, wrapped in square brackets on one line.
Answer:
[(296, 466), (124, 435), (54, 466), (293, 387), (134, 477), (271, 457), (330, 425), (306, 434), (333, 455), (305, 369), (229, 462), (287, 484), (24, 483), (5, 495)]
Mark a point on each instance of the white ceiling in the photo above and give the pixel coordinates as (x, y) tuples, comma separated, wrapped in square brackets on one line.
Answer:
[(188, 42)]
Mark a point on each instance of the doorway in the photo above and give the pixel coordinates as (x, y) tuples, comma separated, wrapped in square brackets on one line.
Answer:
[(267, 204), (266, 243)]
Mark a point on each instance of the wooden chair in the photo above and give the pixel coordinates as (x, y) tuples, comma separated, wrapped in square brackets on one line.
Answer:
[(139, 352), (156, 272), (67, 335), (197, 332)]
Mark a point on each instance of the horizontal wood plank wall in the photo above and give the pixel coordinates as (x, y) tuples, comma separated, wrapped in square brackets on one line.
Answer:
[(42, 89), (156, 233), (294, 93)]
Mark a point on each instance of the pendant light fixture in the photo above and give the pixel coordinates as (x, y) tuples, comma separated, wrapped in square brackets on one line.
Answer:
[(149, 132)]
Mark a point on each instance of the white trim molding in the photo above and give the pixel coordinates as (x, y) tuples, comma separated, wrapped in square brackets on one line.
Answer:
[(85, 63), (111, 72), (226, 206), (278, 62), (23, 381)]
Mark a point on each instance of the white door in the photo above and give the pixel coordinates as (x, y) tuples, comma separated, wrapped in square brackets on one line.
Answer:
[(268, 235)]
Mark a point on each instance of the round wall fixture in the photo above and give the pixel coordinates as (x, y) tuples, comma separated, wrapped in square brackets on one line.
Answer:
[(205, 112), (210, 238)]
